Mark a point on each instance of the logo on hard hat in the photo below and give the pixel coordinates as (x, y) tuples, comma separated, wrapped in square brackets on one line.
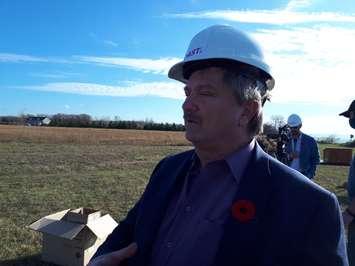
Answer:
[(194, 51)]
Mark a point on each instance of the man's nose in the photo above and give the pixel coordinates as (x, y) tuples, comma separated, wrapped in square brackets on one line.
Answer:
[(189, 104)]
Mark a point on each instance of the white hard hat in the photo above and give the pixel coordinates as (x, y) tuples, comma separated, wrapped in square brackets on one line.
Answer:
[(223, 43), (294, 120)]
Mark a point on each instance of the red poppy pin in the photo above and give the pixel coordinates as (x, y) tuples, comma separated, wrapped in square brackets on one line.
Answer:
[(243, 210)]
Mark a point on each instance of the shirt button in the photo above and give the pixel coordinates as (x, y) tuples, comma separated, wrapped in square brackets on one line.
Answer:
[(188, 208), (169, 244)]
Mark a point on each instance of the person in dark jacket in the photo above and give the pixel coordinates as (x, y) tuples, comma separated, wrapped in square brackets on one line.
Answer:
[(349, 212), (226, 202), (301, 148)]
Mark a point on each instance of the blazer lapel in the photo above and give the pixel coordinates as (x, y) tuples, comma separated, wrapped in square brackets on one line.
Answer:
[(241, 239), (155, 201)]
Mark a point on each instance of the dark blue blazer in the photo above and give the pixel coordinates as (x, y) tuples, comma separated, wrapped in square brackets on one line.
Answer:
[(309, 155), (296, 221)]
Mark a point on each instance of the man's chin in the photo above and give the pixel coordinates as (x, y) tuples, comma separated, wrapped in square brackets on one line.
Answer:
[(190, 136)]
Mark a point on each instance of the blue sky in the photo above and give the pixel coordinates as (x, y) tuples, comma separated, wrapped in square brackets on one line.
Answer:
[(110, 58)]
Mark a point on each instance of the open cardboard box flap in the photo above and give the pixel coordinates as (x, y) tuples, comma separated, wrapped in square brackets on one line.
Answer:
[(54, 224), (102, 226)]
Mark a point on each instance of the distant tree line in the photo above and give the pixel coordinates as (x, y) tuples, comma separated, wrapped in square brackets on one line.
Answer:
[(11, 120), (270, 129), (85, 120)]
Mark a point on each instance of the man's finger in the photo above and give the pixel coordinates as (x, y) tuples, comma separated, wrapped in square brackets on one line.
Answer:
[(124, 253)]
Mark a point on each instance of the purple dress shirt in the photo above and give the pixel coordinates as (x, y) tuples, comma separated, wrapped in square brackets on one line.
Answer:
[(193, 224)]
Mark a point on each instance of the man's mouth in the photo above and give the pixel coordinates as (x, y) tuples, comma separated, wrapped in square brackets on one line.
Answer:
[(190, 119)]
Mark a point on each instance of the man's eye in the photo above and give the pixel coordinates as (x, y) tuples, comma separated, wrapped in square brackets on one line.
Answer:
[(206, 93)]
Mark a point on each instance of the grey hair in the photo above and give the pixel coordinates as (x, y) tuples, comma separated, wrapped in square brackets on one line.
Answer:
[(248, 88)]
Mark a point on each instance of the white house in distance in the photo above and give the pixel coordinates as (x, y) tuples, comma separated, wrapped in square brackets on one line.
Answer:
[(37, 121)]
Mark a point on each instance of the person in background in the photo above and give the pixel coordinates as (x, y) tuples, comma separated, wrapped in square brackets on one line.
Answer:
[(302, 149), (349, 213), (226, 202)]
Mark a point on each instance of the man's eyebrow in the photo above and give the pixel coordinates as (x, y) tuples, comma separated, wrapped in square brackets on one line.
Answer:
[(202, 87), (206, 86)]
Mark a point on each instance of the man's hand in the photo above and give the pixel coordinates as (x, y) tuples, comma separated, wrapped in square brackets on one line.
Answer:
[(347, 218), (116, 257)]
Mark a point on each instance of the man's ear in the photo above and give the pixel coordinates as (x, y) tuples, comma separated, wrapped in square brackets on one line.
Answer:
[(250, 110)]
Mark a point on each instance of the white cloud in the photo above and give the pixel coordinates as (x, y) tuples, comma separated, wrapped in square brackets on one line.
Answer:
[(106, 42), (297, 4), (18, 58), (47, 75), (146, 65), (277, 17), (21, 58), (67, 106), (333, 125), (156, 66), (162, 89), (313, 65), (110, 43), (55, 75)]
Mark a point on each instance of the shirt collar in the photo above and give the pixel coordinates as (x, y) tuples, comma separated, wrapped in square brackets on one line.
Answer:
[(196, 164), (299, 136), (237, 161)]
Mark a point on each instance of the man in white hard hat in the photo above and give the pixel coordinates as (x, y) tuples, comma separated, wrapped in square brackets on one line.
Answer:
[(301, 148), (349, 213), (226, 202)]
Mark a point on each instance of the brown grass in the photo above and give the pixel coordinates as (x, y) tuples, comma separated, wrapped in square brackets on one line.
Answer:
[(48, 169), (62, 135)]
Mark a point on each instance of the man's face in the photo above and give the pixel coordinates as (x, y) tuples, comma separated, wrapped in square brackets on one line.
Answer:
[(295, 131), (211, 112)]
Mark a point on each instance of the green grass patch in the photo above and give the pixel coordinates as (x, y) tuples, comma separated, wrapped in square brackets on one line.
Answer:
[(37, 179)]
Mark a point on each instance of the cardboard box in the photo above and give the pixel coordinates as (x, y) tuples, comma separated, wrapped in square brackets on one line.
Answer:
[(71, 237), (337, 156)]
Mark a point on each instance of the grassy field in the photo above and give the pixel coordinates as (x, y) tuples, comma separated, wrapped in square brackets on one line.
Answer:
[(44, 170)]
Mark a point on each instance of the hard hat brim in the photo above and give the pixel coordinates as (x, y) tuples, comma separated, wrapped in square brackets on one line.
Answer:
[(177, 71), (346, 113), (294, 124), (351, 108)]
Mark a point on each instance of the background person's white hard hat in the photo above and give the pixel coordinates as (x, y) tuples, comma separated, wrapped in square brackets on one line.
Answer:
[(294, 120), (223, 43)]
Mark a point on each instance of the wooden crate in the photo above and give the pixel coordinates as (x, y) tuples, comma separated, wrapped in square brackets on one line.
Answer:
[(337, 156)]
